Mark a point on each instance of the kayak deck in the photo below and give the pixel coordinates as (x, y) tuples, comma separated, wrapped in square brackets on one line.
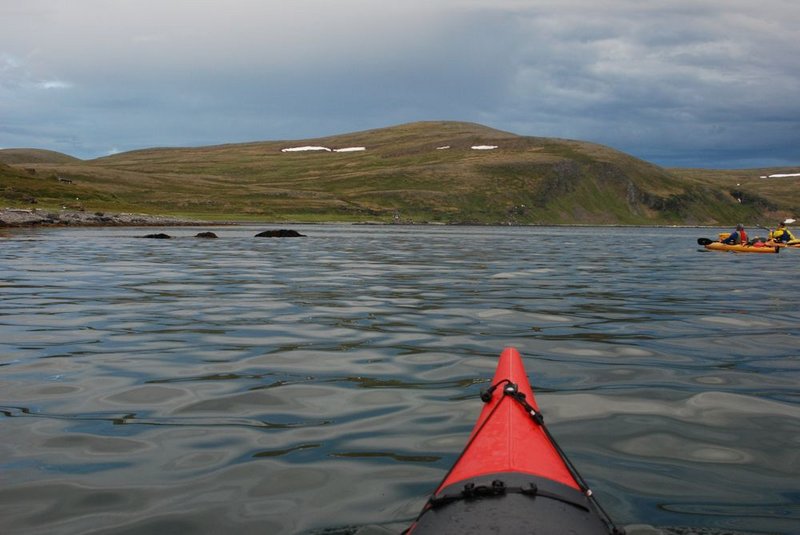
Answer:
[(505, 439), (509, 503), (511, 477)]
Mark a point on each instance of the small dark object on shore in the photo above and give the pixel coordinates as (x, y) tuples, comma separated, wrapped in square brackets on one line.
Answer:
[(159, 236), (282, 233), (206, 235)]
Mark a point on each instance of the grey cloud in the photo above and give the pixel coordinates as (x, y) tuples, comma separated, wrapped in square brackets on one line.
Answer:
[(697, 82)]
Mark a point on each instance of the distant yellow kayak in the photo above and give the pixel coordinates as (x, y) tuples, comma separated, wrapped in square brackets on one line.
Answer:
[(791, 243)]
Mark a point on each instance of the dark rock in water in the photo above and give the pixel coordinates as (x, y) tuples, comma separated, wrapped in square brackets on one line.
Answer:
[(206, 235), (282, 233), (159, 236)]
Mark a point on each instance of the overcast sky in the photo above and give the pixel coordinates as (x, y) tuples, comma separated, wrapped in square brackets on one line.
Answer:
[(703, 83)]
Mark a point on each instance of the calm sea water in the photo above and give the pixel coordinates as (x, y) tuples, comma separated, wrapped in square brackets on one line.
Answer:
[(325, 384)]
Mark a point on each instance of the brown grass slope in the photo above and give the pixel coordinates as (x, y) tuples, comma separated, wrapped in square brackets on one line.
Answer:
[(403, 175), (30, 156)]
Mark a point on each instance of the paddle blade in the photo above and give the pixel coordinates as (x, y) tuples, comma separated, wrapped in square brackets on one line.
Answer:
[(704, 241), (789, 221)]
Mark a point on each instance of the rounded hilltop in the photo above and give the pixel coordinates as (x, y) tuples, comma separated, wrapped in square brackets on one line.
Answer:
[(422, 172), (34, 156)]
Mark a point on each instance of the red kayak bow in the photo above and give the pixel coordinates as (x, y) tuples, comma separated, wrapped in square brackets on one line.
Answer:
[(512, 477)]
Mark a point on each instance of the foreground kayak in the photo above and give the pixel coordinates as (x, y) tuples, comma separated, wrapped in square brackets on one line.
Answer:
[(511, 477), (719, 246)]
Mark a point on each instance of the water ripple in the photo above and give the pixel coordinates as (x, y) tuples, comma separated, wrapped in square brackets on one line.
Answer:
[(327, 384)]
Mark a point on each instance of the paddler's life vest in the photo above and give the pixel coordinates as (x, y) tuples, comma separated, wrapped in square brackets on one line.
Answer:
[(782, 234), (735, 238)]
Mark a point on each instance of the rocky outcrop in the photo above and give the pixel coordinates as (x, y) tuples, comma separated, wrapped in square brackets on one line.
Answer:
[(206, 235), (158, 236), (282, 233), (18, 217)]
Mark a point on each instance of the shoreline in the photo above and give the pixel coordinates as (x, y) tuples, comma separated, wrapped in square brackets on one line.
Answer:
[(35, 217), (21, 217)]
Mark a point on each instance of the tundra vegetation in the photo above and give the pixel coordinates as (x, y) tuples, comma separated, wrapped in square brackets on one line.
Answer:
[(424, 172)]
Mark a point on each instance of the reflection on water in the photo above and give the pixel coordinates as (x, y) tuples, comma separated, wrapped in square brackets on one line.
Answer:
[(325, 384)]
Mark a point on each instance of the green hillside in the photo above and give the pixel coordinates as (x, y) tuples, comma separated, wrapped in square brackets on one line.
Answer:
[(404, 175), (30, 156)]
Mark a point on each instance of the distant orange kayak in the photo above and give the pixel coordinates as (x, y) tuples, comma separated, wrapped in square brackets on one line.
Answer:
[(743, 248), (717, 246)]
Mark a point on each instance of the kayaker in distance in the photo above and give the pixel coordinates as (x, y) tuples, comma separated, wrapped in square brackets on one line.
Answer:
[(737, 237), (782, 234)]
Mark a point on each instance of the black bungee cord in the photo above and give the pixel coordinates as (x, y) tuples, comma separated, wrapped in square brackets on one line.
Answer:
[(512, 391)]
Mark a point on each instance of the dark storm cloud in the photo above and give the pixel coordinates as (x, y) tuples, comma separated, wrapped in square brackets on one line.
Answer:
[(699, 83)]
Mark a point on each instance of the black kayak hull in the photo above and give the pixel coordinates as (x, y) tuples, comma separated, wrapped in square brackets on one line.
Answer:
[(509, 503)]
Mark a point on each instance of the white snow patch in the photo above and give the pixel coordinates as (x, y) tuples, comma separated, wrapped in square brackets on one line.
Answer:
[(483, 147), (784, 175), (306, 148), (350, 149), (443, 147)]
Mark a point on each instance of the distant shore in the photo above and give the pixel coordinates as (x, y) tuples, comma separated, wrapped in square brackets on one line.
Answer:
[(22, 217), (19, 217)]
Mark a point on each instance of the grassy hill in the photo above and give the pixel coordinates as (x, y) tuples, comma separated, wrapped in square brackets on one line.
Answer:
[(31, 156), (404, 175)]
